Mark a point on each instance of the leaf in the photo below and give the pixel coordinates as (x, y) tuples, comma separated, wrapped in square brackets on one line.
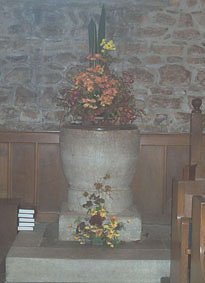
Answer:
[(108, 188), (78, 220), (89, 203), (107, 176), (85, 194), (101, 29), (98, 186), (93, 196), (92, 36)]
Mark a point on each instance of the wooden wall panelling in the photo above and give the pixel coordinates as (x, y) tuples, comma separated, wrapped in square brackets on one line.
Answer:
[(177, 157), (30, 168), (23, 172), (157, 167), (149, 182), (51, 182), (4, 170), (29, 137), (20, 175)]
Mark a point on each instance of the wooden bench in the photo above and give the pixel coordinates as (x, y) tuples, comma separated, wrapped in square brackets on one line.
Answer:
[(193, 183), (183, 192), (197, 262)]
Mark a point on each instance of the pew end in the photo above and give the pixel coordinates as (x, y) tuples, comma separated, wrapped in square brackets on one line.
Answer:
[(197, 274)]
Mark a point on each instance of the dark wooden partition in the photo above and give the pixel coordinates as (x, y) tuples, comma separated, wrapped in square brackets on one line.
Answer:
[(30, 169), (162, 158)]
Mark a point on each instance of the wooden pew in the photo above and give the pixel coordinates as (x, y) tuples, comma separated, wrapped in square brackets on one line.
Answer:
[(193, 183), (197, 263), (196, 167), (183, 192)]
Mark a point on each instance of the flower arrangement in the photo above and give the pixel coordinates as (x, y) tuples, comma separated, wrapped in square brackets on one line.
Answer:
[(97, 95), (98, 227)]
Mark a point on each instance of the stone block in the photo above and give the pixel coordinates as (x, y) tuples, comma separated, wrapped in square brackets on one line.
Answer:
[(174, 74), (84, 270), (29, 261)]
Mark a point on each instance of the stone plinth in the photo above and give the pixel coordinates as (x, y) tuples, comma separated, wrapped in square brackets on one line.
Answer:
[(29, 260)]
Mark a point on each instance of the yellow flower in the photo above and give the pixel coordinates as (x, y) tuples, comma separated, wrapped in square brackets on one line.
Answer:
[(103, 42), (106, 226), (110, 234), (114, 221), (107, 45), (103, 213), (93, 212)]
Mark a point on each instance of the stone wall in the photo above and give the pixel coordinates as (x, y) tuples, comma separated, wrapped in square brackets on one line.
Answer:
[(42, 41)]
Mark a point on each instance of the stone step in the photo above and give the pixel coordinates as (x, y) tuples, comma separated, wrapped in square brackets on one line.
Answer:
[(32, 260)]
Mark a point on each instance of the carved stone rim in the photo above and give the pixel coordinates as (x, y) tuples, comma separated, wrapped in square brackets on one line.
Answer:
[(101, 128)]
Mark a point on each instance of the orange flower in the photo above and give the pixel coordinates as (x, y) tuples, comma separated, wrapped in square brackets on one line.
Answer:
[(97, 69), (93, 95), (100, 80), (89, 103), (110, 92), (94, 57), (105, 100)]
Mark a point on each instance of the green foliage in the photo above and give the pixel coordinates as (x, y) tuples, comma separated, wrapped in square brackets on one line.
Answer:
[(92, 36), (98, 228), (101, 29), (97, 95), (96, 36)]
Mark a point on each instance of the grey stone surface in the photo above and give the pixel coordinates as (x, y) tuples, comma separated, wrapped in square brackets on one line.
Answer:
[(160, 42), (165, 280), (145, 261), (88, 270)]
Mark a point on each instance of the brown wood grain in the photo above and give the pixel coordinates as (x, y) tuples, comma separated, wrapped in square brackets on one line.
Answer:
[(8, 220), (3, 170), (31, 169), (198, 241), (183, 194), (50, 177), (149, 181), (23, 172), (177, 156)]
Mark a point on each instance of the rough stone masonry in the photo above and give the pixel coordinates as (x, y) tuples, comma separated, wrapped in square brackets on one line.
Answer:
[(42, 42)]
